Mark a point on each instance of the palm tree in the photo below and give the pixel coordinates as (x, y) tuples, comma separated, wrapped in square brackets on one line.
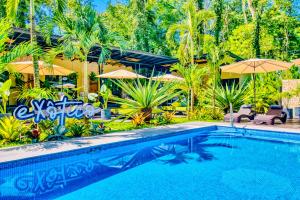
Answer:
[(82, 29), (14, 53), (188, 30), (193, 77), (144, 97), (11, 10), (215, 57)]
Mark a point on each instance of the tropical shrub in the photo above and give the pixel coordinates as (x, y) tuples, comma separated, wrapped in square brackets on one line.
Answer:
[(138, 119), (106, 94), (267, 91), (207, 113), (97, 128), (58, 133), (145, 97), (11, 129), (225, 95), (28, 94), (4, 94), (77, 129), (163, 118)]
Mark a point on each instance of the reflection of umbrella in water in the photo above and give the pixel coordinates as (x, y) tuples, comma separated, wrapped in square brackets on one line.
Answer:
[(254, 66), (26, 67), (121, 74)]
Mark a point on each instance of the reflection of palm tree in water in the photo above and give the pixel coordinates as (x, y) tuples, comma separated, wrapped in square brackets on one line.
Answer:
[(179, 152)]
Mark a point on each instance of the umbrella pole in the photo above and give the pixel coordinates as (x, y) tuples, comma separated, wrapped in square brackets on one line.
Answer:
[(254, 91)]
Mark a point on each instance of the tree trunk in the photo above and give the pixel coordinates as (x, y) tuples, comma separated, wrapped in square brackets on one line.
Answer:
[(33, 41), (244, 11), (256, 43), (147, 113), (252, 10), (200, 30), (85, 78), (192, 99), (214, 90), (218, 8)]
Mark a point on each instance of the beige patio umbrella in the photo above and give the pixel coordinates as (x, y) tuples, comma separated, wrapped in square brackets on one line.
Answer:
[(66, 85), (254, 66), (26, 67), (168, 78), (296, 61), (121, 74)]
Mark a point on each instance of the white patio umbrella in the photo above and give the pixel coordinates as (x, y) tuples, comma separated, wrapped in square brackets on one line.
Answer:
[(254, 66)]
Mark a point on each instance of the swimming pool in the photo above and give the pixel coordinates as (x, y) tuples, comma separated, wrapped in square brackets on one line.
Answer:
[(206, 163)]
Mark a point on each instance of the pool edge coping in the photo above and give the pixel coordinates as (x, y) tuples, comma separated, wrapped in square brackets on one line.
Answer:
[(167, 133)]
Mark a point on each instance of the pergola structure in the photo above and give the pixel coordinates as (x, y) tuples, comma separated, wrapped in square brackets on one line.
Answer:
[(125, 57)]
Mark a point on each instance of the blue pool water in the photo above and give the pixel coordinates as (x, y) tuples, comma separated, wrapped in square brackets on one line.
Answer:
[(215, 163)]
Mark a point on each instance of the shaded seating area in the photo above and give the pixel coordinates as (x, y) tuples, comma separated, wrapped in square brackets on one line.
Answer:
[(245, 112), (275, 112)]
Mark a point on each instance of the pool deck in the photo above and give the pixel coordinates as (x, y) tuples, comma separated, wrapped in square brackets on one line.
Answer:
[(46, 148)]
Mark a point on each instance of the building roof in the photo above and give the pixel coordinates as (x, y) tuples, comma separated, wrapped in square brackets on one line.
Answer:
[(126, 57)]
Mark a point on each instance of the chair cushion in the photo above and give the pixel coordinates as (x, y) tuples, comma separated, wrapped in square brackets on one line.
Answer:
[(276, 107)]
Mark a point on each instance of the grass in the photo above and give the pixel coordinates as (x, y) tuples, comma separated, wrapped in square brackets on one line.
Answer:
[(117, 126)]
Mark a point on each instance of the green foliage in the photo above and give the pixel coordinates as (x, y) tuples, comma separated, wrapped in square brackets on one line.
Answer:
[(236, 95), (11, 129), (138, 119), (14, 53), (77, 129), (58, 133), (207, 114), (240, 42), (37, 93), (188, 30), (96, 129), (195, 81), (92, 76), (106, 94), (144, 97), (267, 91), (4, 94), (163, 118), (46, 128)]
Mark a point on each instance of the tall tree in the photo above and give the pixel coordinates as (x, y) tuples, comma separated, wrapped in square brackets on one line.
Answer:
[(188, 32), (82, 29), (218, 8), (12, 9)]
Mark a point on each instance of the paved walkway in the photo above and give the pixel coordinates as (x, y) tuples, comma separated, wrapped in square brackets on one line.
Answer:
[(32, 150)]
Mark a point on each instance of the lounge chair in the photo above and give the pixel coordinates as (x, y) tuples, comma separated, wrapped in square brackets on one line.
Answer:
[(274, 112), (244, 112)]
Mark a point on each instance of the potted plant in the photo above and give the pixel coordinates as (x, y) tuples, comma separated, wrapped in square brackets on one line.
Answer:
[(106, 94), (286, 98), (4, 94)]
